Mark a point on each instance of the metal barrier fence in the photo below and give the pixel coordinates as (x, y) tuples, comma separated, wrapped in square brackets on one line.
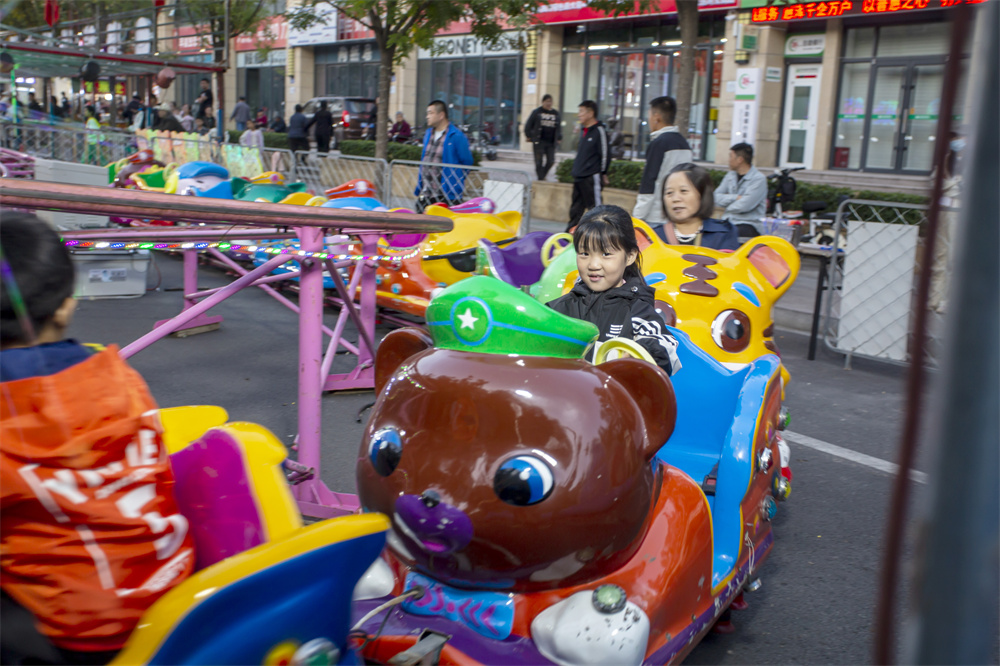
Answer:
[(81, 146), (413, 184), (321, 172), (871, 304)]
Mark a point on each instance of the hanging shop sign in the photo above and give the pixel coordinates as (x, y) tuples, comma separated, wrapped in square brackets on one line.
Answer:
[(805, 46), (574, 11), (270, 33), (744, 129), (467, 46), (104, 87), (797, 11)]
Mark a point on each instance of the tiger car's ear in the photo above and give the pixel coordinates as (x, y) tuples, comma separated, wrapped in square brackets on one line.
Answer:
[(394, 349), (774, 259)]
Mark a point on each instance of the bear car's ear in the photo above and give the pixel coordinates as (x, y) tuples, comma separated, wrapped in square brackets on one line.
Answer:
[(652, 391), (394, 349)]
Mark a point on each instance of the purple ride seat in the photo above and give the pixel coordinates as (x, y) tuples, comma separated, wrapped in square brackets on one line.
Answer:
[(520, 263), (229, 507)]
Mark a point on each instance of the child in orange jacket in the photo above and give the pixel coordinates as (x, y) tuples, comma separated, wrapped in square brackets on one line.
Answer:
[(90, 534)]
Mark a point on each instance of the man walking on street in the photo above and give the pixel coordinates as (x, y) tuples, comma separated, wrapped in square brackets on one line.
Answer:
[(298, 138), (590, 168), (204, 100), (743, 191), (667, 148), (444, 143), (241, 114), (544, 131)]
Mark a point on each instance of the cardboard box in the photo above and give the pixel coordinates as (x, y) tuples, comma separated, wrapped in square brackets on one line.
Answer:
[(111, 274)]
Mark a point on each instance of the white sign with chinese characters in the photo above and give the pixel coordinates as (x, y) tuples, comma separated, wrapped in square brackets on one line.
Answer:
[(746, 104), (453, 46), (324, 32), (805, 46)]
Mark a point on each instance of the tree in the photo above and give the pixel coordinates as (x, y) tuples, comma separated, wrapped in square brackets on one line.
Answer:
[(687, 17), (401, 25)]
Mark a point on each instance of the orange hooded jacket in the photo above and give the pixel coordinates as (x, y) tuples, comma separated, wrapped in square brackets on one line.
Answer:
[(90, 534)]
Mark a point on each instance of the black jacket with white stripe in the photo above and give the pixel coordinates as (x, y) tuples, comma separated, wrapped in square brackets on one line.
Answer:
[(593, 156), (623, 312)]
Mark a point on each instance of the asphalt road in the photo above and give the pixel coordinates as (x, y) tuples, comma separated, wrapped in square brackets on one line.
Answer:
[(817, 602)]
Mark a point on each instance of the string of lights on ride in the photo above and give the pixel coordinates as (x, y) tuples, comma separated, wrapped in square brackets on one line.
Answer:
[(106, 245)]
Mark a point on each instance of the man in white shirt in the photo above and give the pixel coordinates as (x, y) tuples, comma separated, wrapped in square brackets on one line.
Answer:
[(667, 148)]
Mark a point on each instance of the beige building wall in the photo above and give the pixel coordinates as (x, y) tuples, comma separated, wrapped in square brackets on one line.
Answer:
[(828, 92), (770, 53), (548, 76), (403, 93), (300, 77)]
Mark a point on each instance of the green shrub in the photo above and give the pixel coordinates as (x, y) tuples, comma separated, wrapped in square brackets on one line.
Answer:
[(717, 176), (278, 140), (625, 175), (564, 171), (622, 174), (816, 192), (397, 151)]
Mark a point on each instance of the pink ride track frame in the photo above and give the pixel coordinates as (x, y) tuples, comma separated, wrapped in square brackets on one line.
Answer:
[(257, 220)]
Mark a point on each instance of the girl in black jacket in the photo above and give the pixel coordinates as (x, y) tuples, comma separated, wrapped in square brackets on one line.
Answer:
[(611, 292)]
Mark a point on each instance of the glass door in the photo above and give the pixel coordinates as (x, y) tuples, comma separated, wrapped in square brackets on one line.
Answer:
[(501, 99), (922, 106), (884, 119), (798, 136)]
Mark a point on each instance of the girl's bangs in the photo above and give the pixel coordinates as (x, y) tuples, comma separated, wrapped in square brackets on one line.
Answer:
[(597, 235)]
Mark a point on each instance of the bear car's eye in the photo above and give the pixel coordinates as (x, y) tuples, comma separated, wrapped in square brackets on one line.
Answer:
[(384, 450), (731, 331), (523, 481)]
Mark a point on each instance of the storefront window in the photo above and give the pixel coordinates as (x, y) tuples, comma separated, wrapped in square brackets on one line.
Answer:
[(851, 110), (859, 43), (922, 118), (913, 40)]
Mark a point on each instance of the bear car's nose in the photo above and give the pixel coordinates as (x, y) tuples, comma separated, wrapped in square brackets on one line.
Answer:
[(430, 499)]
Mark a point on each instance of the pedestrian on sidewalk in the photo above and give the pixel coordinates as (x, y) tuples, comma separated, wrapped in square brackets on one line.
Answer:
[(204, 100), (252, 137), (590, 168), (323, 120), (241, 114), (544, 131), (743, 191), (444, 143), (667, 148), (298, 138)]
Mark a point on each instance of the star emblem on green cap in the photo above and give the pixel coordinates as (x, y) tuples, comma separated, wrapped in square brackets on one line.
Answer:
[(471, 320)]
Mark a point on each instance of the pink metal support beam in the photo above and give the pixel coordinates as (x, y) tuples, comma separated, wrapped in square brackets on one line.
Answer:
[(129, 203), (309, 222)]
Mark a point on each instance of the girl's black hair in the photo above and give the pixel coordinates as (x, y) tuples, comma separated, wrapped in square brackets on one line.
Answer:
[(41, 268), (701, 180), (608, 228)]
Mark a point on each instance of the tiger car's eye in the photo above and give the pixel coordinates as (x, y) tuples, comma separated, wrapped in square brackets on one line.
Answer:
[(523, 481), (731, 331)]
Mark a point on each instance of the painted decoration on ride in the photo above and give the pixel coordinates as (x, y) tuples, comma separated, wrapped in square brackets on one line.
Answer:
[(193, 176), (178, 146), (514, 469), (120, 172), (451, 256)]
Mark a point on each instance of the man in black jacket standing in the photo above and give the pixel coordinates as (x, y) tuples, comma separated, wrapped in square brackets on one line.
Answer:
[(590, 168), (544, 131)]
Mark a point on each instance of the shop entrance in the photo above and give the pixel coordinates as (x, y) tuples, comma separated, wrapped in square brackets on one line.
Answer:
[(798, 136), (895, 129), (480, 92)]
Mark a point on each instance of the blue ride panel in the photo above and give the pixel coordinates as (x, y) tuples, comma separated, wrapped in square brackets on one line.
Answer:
[(717, 414), (299, 599)]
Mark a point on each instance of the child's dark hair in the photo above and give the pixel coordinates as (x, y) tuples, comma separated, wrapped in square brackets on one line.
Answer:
[(42, 271), (701, 180), (608, 228)]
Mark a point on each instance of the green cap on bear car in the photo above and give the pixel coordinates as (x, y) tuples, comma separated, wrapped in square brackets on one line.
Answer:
[(486, 315)]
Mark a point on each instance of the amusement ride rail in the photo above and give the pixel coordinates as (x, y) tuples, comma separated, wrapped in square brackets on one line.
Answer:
[(247, 220)]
